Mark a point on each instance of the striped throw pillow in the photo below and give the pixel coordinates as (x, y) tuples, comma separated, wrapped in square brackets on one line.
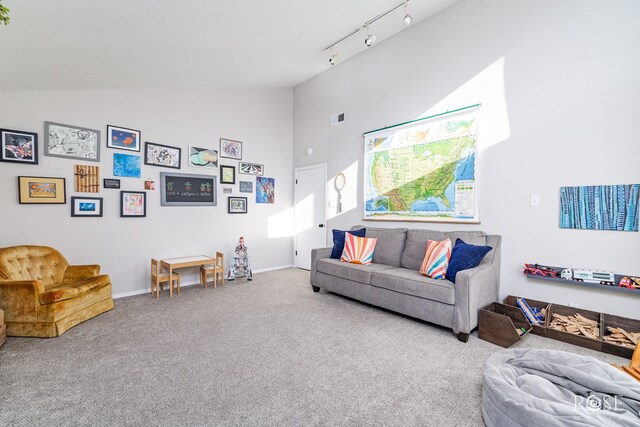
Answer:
[(436, 259), (358, 250)]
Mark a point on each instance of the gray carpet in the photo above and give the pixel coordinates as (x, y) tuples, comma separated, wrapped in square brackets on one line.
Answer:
[(267, 352)]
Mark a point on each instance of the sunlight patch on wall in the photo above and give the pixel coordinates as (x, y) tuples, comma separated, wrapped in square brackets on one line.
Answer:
[(487, 88), (281, 224), (349, 192), (304, 212)]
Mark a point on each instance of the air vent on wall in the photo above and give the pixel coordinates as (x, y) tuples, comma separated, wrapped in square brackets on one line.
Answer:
[(338, 118)]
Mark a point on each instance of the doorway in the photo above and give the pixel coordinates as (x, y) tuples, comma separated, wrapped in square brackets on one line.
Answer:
[(310, 215)]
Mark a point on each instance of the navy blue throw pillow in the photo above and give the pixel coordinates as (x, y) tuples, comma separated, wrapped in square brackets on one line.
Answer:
[(463, 257), (338, 240)]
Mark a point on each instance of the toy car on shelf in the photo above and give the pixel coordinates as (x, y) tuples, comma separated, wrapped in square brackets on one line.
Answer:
[(589, 276), (630, 283), (541, 270)]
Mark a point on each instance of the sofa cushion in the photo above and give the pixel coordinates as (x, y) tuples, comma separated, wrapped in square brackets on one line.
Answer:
[(356, 272), (410, 282), (358, 250), (65, 291), (390, 244), (338, 241), (416, 245), (465, 256), (436, 260)]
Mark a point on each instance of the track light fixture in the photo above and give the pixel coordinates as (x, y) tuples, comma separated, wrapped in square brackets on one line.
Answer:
[(371, 38), (407, 18), (334, 57)]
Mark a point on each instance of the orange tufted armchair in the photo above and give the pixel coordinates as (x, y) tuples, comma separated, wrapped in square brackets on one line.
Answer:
[(43, 296)]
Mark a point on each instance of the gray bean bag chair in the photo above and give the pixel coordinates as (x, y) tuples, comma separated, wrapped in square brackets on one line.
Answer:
[(531, 387)]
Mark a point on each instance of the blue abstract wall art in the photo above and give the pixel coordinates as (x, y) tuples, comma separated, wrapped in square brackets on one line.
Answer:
[(600, 207), (126, 165)]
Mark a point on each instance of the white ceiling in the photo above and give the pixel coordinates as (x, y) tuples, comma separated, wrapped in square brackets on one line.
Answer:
[(196, 44)]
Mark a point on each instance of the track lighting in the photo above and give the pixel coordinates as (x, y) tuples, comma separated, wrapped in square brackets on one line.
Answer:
[(407, 18), (371, 38)]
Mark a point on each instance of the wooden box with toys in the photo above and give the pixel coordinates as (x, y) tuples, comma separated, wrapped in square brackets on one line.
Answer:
[(3, 329), (575, 326), (620, 335), (502, 325), (539, 326)]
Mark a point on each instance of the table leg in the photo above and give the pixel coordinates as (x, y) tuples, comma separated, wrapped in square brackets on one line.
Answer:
[(170, 282)]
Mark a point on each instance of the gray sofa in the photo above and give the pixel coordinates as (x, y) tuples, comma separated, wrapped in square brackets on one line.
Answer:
[(392, 281)]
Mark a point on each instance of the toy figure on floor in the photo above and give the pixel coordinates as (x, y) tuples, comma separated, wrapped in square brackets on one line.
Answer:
[(240, 266)]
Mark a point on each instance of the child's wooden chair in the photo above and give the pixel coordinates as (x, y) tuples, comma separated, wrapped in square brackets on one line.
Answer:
[(158, 276), (215, 269)]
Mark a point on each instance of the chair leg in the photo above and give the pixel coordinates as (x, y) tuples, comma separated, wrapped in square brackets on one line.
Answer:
[(215, 279), (178, 285)]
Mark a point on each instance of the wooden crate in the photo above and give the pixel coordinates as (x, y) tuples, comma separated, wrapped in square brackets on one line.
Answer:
[(579, 340), (498, 324), (3, 329), (629, 325), (537, 330)]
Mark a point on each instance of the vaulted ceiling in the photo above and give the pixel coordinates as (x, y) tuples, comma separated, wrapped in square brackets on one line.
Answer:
[(197, 44)]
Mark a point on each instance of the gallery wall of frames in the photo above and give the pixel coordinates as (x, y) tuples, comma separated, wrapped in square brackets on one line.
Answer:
[(210, 166), (122, 176)]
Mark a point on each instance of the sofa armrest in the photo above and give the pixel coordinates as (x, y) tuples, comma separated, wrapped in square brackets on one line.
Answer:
[(19, 299), (317, 254), (79, 272), (474, 289)]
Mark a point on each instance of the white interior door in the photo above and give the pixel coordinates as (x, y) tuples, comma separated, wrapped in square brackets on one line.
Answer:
[(310, 212)]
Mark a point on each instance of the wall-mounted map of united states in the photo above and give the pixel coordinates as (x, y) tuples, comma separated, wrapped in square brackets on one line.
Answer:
[(420, 172)]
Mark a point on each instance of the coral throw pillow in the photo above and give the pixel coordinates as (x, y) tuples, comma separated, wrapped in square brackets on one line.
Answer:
[(358, 250), (436, 259)]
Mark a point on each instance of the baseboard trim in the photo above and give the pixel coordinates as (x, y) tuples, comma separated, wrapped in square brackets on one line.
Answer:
[(148, 291), (280, 267)]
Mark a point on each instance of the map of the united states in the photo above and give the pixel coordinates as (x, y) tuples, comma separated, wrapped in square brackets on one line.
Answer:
[(420, 171)]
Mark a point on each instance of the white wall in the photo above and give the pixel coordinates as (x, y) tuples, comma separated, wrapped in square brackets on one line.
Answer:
[(558, 84), (261, 119)]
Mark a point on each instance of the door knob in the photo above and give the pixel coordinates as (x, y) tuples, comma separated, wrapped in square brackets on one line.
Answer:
[(321, 225)]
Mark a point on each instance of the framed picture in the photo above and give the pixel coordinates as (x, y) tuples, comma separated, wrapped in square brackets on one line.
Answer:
[(19, 146), (111, 183), (133, 204), (123, 138), (86, 206), (227, 174), (265, 190), (246, 187), (185, 189), (230, 149), (41, 190), (237, 205), (203, 157), (126, 165), (71, 142), (86, 179), (227, 190), (251, 169), (161, 155)]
